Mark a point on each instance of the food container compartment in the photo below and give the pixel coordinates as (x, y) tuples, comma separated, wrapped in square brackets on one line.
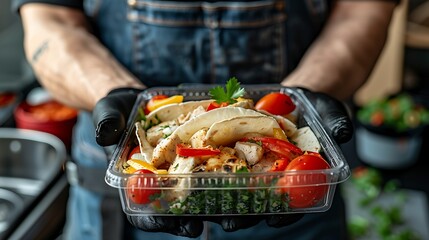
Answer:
[(247, 193)]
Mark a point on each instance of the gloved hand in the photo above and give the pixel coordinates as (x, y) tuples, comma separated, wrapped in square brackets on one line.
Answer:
[(176, 225), (333, 114), (110, 116)]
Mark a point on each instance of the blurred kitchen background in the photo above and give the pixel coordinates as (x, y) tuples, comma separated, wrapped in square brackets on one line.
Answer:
[(33, 186)]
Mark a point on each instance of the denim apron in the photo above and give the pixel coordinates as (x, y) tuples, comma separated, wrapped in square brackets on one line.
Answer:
[(166, 43)]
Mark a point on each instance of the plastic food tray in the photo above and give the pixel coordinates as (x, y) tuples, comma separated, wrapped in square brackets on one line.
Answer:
[(214, 194)]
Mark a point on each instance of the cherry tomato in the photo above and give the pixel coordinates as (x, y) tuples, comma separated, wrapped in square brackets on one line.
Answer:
[(308, 196), (140, 187), (377, 118), (136, 149), (313, 153), (276, 103)]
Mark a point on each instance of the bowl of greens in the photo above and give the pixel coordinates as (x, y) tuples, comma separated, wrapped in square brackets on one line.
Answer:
[(389, 131)]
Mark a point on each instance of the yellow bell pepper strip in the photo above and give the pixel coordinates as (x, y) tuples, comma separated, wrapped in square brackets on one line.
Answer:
[(159, 102), (279, 134), (140, 164)]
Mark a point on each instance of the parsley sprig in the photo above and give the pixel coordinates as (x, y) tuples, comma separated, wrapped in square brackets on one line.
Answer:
[(228, 95)]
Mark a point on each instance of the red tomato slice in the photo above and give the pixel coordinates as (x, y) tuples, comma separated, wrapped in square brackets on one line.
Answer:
[(276, 103), (184, 151), (377, 118), (140, 187), (308, 196), (215, 105), (279, 165), (282, 148)]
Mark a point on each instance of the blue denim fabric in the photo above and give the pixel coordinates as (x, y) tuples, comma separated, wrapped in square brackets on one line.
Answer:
[(84, 219), (171, 42), (166, 43)]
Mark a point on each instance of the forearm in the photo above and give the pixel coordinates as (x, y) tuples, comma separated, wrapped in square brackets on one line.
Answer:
[(67, 59), (342, 58)]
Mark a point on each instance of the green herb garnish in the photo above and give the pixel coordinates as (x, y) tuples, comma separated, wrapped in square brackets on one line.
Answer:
[(228, 95)]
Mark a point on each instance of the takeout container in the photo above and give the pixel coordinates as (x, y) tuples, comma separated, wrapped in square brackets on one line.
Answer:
[(214, 194)]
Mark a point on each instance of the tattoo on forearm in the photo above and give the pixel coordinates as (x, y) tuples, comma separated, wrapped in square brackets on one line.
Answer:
[(39, 51)]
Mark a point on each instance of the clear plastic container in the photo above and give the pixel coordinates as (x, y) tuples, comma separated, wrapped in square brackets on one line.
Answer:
[(211, 194)]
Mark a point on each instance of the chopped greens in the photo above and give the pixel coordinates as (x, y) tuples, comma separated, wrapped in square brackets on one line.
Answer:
[(232, 200), (153, 122), (399, 113), (230, 95), (141, 115)]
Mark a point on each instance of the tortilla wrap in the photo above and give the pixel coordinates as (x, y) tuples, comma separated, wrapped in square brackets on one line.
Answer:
[(305, 139), (229, 131), (173, 111), (165, 150)]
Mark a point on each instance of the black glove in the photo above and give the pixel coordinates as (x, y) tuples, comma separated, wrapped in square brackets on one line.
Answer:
[(176, 225), (111, 114), (334, 115)]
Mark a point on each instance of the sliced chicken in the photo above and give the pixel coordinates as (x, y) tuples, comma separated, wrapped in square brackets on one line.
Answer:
[(165, 151), (266, 162), (198, 139), (251, 152), (161, 131), (226, 162), (184, 164), (179, 166)]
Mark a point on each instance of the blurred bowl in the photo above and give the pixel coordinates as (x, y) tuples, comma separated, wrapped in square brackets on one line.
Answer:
[(50, 116), (386, 149)]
